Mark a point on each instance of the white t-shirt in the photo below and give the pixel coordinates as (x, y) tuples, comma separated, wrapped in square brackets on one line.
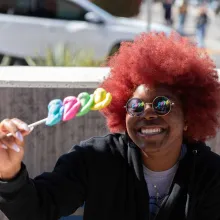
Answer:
[(159, 184)]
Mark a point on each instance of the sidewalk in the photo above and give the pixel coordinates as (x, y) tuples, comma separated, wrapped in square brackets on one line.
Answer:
[(213, 35)]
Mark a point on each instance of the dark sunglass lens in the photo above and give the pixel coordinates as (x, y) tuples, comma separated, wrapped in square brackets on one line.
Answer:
[(135, 106), (162, 105)]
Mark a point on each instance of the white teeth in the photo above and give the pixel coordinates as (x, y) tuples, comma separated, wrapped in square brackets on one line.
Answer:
[(151, 130)]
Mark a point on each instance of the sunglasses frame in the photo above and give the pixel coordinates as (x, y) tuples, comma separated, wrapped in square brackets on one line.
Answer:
[(151, 104)]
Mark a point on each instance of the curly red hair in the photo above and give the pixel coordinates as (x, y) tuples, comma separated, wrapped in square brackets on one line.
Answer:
[(168, 60)]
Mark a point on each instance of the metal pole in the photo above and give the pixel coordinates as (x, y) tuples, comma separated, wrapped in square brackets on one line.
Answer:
[(149, 14)]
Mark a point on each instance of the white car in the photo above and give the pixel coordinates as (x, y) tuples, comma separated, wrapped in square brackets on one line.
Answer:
[(28, 28)]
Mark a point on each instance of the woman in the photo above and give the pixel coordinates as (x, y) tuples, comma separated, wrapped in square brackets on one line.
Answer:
[(154, 166), (167, 6), (201, 26), (182, 13)]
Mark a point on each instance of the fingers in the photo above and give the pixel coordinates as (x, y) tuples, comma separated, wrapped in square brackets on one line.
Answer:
[(9, 143), (20, 124), (3, 146), (23, 127), (7, 126), (17, 128)]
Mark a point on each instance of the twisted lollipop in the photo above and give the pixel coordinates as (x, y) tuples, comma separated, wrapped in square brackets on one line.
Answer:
[(72, 107), (55, 112), (86, 101), (101, 99)]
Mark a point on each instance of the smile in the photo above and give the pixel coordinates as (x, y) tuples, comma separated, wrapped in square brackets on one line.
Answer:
[(150, 131)]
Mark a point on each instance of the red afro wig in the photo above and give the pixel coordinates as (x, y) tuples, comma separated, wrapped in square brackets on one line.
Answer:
[(157, 59)]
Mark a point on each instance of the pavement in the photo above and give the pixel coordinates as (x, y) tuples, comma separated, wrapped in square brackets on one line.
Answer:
[(212, 40)]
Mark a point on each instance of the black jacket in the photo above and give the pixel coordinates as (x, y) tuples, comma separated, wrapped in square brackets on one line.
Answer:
[(106, 173)]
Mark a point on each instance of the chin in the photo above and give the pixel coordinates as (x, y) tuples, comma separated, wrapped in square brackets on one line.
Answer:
[(151, 147)]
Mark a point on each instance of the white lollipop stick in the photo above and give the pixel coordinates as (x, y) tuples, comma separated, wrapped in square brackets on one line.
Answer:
[(32, 125)]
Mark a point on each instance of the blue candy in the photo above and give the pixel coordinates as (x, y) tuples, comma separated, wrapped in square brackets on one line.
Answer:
[(55, 112)]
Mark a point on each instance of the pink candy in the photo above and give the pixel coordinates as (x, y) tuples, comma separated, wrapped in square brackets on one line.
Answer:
[(71, 107)]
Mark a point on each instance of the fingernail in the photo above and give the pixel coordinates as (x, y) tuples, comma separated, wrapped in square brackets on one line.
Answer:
[(15, 148), (4, 146), (25, 127), (19, 136)]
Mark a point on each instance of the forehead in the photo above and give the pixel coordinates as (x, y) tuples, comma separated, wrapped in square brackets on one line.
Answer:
[(145, 92)]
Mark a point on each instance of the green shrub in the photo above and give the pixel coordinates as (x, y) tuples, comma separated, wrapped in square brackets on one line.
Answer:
[(5, 61), (61, 55)]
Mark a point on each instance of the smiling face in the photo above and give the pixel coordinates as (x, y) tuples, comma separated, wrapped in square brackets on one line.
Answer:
[(152, 132)]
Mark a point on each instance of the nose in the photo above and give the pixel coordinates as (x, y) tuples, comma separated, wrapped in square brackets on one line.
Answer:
[(149, 112)]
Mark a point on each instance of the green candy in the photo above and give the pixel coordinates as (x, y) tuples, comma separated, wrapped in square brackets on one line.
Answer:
[(86, 101)]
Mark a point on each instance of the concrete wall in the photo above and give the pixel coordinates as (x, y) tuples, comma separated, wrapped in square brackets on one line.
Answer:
[(25, 93)]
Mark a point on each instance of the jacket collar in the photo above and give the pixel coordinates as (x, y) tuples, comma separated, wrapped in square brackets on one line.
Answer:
[(183, 180)]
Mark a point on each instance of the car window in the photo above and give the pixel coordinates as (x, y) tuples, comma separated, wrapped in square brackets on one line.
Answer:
[(19, 7), (55, 9), (69, 10), (61, 9)]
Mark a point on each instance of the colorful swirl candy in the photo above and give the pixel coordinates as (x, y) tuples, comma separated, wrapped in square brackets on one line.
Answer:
[(74, 107), (86, 101), (101, 99), (55, 112), (71, 107)]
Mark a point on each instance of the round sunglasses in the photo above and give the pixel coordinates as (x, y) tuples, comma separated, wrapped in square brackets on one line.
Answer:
[(161, 105)]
